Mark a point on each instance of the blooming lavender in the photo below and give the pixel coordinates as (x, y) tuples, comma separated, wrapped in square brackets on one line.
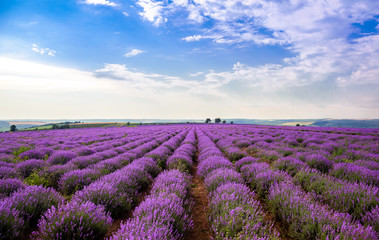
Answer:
[(25, 168), (75, 180), (319, 162), (107, 195), (211, 164), (244, 161), (234, 214), (164, 214), (74, 220), (354, 198), (32, 201), (289, 164), (7, 172), (11, 225), (309, 220), (8, 186), (61, 157), (221, 176), (355, 173)]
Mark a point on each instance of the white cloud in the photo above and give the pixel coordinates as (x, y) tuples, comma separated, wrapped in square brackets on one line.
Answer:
[(43, 51), (193, 38), (125, 14), (133, 52), (152, 11), (35, 90), (316, 32), (101, 2), (196, 74)]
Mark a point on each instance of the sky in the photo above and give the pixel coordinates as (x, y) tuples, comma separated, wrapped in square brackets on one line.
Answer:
[(180, 59)]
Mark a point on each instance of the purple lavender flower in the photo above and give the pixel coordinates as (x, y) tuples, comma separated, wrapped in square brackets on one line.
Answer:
[(74, 220), (25, 168), (7, 172), (75, 180), (372, 218), (8, 186), (353, 173), (33, 201), (107, 195), (221, 176), (289, 164), (212, 163), (11, 225), (61, 157), (234, 214), (319, 162), (245, 161)]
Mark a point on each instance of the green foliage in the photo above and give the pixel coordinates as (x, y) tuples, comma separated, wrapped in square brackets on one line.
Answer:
[(13, 128), (36, 179), (16, 152)]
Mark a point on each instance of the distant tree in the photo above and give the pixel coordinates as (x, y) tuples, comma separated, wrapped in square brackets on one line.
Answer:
[(224, 121), (231, 122), (64, 126), (208, 120), (128, 123), (13, 128), (55, 126), (217, 120), (297, 125)]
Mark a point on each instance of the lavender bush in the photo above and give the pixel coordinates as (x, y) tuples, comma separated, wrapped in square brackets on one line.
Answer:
[(75, 220)]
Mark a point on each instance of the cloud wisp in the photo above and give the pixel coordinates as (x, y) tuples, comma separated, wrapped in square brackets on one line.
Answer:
[(43, 51), (100, 2), (133, 52)]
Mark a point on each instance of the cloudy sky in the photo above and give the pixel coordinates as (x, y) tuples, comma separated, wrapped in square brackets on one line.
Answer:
[(189, 59)]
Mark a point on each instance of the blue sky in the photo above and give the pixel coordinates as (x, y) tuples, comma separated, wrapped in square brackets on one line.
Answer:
[(189, 59)]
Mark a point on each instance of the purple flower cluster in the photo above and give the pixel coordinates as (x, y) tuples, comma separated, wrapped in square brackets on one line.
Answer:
[(25, 168), (75, 180), (32, 201), (260, 177), (164, 214), (11, 225), (181, 159), (8, 186), (308, 219), (234, 213), (61, 157), (318, 162), (355, 173), (354, 198), (289, 164), (75, 220), (245, 161)]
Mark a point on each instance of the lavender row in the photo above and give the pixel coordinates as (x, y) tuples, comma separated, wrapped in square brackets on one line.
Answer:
[(182, 158), (83, 156), (165, 213), (357, 199), (110, 196), (305, 217), (234, 214)]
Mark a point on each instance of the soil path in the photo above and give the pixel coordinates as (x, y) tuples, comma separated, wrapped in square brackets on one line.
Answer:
[(201, 229)]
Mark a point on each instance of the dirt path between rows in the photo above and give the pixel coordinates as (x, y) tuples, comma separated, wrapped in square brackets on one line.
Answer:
[(201, 229)]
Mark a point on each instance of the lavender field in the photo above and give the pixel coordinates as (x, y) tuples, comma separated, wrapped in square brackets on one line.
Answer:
[(190, 181)]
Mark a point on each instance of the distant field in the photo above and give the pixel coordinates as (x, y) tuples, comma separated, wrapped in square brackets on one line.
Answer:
[(295, 123), (27, 123)]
